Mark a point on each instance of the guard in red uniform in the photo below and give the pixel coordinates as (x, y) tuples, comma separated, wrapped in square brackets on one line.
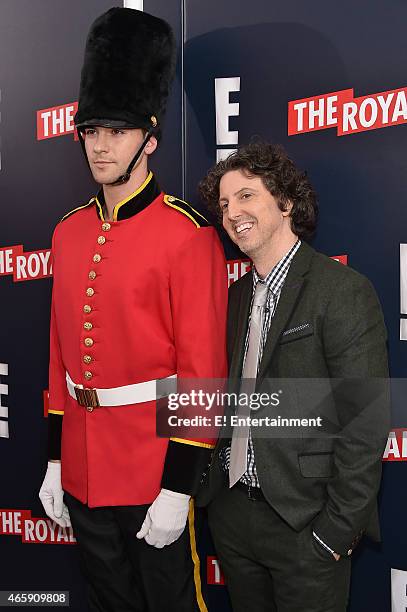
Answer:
[(139, 296)]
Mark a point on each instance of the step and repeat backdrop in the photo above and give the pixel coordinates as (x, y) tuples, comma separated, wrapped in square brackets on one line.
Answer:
[(325, 79)]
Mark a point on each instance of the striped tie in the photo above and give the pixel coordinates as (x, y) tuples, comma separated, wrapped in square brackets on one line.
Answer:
[(238, 449)]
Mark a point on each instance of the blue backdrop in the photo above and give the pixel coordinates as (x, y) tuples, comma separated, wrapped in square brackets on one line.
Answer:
[(273, 53)]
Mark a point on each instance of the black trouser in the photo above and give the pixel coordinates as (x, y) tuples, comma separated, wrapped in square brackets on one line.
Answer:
[(124, 574), (270, 567)]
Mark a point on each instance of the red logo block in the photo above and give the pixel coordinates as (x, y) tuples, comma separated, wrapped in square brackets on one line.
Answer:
[(24, 266), (56, 121), (348, 114), (396, 447), (213, 572), (237, 268), (343, 259), (33, 530)]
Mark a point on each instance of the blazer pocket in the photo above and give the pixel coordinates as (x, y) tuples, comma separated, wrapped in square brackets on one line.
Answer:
[(297, 332), (318, 465)]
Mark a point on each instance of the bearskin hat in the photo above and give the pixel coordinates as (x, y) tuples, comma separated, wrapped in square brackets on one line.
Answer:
[(128, 68)]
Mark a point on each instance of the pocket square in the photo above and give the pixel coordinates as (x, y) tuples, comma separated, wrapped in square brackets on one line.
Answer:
[(298, 328)]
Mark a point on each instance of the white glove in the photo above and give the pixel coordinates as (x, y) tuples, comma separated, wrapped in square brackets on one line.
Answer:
[(165, 519), (52, 495)]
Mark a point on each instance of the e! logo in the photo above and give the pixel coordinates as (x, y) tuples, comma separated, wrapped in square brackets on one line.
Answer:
[(224, 110)]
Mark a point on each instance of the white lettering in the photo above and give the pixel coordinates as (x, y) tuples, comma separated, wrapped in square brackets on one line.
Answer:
[(398, 590), (33, 271), (215, 564), (51, 526), (316, 113), (236, 270), (391, 446), (3, 369), (366, 123), (9, 261), (45, 120), (62, 535), (17, 522), (41, 531), (29, 531), (233, 273), (58, 121), (349, 112), (385, 105), (210, 397), (6, 261), (7, 522), (400, 107), (299, 107), (71, 535), (183, 399), (225, 109), (69, 114), (331, 110), (245, 267), (44, 257), (21, 262), (222, 154)]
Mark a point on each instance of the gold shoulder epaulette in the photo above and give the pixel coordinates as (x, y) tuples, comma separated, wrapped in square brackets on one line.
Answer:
[(71, 212), (187, 210)]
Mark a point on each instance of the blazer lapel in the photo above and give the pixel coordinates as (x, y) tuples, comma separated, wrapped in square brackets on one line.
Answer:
[(289, 297)]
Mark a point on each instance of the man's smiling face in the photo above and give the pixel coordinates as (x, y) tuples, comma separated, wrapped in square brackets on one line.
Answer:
[(251, 215)]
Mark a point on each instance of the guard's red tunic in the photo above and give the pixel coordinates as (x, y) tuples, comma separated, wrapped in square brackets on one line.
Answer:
[(133, 300)]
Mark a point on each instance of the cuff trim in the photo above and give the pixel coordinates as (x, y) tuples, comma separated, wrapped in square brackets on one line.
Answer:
[(193, 442)]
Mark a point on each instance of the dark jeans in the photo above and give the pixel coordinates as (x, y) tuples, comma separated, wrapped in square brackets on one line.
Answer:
[(270, 567), (124, 574)]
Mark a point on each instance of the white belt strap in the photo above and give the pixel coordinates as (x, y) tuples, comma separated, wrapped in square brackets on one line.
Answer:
[(122, 396)]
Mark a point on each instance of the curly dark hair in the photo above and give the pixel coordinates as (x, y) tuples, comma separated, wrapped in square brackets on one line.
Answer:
[(280, 177)]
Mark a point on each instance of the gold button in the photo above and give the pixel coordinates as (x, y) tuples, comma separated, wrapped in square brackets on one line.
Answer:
[(170, 198), (87, 325), (101, 240), (87, 309), (88, 375), (89, 408), (90, 291), (92, 275), (106, 227), (97, 258), (87, 358), (153, 120), (88, 342)]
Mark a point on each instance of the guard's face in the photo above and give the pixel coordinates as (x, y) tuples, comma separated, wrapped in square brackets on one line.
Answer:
[(251, 215), (110, 150)]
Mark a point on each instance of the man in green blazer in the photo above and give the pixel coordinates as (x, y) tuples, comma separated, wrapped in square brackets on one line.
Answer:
[(288, 505)]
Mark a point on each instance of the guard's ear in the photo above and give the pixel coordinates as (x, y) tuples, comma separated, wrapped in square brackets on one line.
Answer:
[(151, 145)]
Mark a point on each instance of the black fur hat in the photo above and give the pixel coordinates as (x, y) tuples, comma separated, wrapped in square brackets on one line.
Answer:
[(128, 68)]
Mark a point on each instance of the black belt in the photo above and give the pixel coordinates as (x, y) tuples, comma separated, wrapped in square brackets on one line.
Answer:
[(253, 493)]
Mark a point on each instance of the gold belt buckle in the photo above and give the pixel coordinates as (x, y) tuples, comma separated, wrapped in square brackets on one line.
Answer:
[(87, 397)]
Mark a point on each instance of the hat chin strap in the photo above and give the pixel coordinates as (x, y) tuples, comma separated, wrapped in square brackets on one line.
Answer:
[(125, 177)]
